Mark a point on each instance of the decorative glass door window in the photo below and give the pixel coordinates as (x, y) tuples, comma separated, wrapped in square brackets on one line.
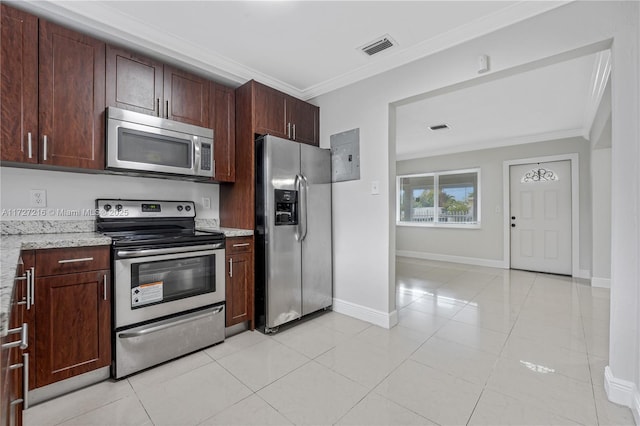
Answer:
[(539, 175)]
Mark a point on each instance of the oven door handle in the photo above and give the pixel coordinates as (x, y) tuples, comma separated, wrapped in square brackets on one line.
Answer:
[(126, 254), (169, 324)]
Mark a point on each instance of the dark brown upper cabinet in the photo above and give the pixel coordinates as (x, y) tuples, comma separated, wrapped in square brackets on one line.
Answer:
[(278, 114), (52, 93), (134, 82), (19, 86), (222, 114), (71, 98), (141, 84)]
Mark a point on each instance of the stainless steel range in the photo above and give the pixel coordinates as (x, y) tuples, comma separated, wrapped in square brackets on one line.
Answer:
[(168, 281)]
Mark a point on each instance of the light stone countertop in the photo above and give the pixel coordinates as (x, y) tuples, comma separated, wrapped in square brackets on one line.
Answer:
[(228, 232), (11, 245)]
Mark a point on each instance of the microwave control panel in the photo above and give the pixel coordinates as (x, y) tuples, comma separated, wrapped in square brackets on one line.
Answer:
[(205, 163)]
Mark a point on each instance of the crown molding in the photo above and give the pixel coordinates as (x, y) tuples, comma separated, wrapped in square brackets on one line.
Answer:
[(598, 85), (492, 143), (94, 18)]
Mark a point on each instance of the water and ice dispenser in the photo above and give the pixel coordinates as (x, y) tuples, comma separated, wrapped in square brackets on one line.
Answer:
[(286, 207)]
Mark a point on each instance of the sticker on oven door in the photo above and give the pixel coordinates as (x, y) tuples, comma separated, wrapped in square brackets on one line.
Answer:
[(146, 293)]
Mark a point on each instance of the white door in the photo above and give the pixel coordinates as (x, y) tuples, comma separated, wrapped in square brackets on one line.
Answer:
[(541, 217)]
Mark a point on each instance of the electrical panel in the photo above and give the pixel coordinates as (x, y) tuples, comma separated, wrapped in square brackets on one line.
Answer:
[(345, 156)]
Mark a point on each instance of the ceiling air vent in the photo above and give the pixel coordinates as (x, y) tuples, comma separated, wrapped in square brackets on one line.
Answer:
[(378, 46), (439, 127)]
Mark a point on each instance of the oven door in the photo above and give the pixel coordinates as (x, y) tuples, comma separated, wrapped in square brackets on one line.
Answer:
[(151, 283)]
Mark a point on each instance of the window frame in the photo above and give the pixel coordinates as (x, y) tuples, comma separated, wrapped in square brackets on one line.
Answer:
[(436, 185)]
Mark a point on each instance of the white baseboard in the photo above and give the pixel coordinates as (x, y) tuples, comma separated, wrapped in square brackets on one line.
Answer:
[(601, 282), (635, 409), (622, 392), (379, 318), (583, 273), (450, 258)]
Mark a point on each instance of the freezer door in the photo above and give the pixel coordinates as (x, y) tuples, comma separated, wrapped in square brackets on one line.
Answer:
[(283, 294), (315, 212)]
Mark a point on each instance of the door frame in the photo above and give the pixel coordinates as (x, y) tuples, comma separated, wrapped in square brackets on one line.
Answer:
[(575, 204)]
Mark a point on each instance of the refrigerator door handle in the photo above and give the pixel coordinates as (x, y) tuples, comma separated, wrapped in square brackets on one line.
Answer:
[(304, 204), (298, 189)]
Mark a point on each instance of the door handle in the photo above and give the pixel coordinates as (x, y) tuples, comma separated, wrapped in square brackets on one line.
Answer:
[(44, 147), (303, 203), (294, 132), (230, 267), (157, 107), (166, 112), (104, 287), (29, 146)]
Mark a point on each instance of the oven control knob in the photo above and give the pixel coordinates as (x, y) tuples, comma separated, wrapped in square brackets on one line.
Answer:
[(107, 207), (187, 208), (118, 207), (179, 208)]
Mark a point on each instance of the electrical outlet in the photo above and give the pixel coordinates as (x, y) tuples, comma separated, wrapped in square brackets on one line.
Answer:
[(38, 198), (206, 202)]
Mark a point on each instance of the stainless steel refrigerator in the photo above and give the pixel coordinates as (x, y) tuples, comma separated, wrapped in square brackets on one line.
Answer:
[(293, 231)]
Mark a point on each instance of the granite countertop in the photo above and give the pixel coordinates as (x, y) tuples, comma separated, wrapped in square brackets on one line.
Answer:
[(10, 247), (228, 232)]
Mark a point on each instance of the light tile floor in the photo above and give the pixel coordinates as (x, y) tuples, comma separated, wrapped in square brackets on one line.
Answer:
[(474, 345)]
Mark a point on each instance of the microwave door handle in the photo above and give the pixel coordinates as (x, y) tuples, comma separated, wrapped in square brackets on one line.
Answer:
[(196, 155)]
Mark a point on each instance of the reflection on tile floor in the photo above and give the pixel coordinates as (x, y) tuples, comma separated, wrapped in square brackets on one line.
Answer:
[(474, 345)]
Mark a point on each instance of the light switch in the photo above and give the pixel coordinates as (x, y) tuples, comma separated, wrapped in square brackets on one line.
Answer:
[(375, 187)]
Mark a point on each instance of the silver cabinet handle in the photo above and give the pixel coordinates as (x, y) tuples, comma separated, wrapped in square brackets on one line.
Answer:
[(25, 380), (242, 244), (29, 146), (231, 267), (29, 288), (166, 112), (294, 132), (289, 130), (81, 259), (104, 287), (158, 107), (33, 286), (44, 145), (23, 343)]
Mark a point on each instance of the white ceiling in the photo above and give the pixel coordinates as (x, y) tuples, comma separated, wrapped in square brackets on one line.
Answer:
[(305, 48), (308, 48), (545, 103)]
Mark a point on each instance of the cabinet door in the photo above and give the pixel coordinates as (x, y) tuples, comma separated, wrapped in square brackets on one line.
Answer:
[(223, 121), (270, 111), (304, 119), (72, 98), (19, 86), (186, 97), (239, 288), (133, 82), (73, 322)]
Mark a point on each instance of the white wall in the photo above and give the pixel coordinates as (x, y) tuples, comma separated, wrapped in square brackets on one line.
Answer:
[(363, 237), (601, 205), (484, 246), (77, 191)]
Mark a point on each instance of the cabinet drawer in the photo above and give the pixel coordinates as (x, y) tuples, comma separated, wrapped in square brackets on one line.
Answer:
[(72, 260), (239, 245)]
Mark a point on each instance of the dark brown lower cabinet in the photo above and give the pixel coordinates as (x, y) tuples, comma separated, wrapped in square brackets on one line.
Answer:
[(73, 325), (239, 284)]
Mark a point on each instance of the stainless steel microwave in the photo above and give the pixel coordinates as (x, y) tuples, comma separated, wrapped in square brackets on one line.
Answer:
[(140, 142)]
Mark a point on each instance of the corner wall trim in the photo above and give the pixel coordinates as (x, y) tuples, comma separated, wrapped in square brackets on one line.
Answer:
[(622, 392), (379, 318), (601, 282), (450, 258)]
